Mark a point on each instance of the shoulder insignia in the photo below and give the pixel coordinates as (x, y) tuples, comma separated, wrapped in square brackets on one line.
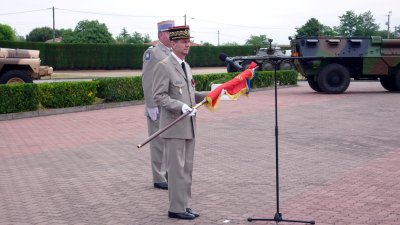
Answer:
[(147, 56)]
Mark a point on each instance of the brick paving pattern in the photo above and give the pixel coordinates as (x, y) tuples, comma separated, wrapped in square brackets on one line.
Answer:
[(339, 162)]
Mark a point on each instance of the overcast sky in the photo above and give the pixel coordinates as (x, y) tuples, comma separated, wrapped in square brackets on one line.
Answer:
[(213, 21)]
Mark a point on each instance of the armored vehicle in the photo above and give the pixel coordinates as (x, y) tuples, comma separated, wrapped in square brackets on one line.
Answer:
[(329, 63), (262, 59), (21, 66)]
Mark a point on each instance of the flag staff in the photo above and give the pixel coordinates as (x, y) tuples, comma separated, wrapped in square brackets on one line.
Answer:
[(169, 125), (234, 88)]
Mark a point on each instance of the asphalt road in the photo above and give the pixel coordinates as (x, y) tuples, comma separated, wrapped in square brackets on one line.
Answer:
[(82, 75), (123, 73)]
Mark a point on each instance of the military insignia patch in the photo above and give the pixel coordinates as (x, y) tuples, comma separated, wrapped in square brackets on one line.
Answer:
[(147, 56)]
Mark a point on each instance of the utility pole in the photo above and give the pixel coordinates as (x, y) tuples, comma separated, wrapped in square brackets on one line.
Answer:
[(218, 38), (388, 24), (54, 27), (185, 19)]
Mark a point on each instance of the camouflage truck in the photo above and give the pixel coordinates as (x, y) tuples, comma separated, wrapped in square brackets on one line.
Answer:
[(262, 58), (21, 66), (329, 63)]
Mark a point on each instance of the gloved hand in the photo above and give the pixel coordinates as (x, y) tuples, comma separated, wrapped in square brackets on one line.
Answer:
[(153, 113), (253, 72), (186, 108)]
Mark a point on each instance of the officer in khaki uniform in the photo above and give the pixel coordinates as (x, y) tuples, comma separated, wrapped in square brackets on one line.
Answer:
[(174, 92), (152, 56)]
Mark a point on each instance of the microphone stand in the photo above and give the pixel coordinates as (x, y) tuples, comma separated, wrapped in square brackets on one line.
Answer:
[(278, 216)]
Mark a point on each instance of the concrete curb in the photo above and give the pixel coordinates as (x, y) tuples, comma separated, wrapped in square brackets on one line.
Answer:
[(48, 112)]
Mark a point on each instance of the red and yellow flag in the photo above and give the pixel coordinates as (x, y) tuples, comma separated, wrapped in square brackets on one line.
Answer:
[(234, 88)]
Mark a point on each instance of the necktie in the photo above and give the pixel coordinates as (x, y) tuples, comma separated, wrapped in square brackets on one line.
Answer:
[(184, 68)]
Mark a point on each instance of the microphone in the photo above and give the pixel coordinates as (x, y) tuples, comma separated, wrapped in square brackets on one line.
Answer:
[(223, 57)]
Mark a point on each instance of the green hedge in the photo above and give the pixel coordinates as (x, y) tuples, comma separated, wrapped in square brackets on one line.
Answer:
[(202, 56), (203, 82), (27, 97), (130, 88), (262, 79), (118, 56), (67, 94), (120, 89), (266, 78), (18, 98)]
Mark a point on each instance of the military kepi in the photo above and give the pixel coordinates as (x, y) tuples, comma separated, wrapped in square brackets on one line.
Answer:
[(165, 25), (179, 32)]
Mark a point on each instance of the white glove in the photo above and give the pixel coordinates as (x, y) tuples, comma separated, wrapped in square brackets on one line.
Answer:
[(153, 113), (253, 71), (186, 108)]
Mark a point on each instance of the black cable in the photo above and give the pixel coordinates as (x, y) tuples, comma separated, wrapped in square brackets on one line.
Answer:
[(36, 10), (111, 14)]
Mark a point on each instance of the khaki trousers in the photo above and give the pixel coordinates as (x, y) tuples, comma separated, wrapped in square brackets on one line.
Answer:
[(157, 156), (180, 153)]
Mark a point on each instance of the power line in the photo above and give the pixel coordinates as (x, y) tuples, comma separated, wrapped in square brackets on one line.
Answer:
[(112, 14), (88, 12), (138, 16), (224, 34), (13, 13), (236, 25)]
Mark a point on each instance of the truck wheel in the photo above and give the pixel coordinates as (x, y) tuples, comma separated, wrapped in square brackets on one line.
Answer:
[(15, 76), (246, 64), (388, 82), (231, 68), (397, 80), (334, 79), (267, 66), (313, 84), (286, 65)]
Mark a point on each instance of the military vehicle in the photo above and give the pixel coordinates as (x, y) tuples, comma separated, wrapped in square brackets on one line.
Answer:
[(329, 63), (21, 66), (262, 59)]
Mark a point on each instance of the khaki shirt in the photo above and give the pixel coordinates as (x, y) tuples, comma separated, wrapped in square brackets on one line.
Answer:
[(171, 90), (150, 58)]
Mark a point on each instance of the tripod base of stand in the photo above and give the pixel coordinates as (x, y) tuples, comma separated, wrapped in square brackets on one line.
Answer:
[(278, 218)]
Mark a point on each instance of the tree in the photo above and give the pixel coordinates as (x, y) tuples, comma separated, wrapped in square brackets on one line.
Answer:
[(396, 33), (89, 32), (122, 38), (260, 41), (136, 38), (352, 24), (367, 25), (64, 31), (230, 44), (206, 43), (42, 34), (314, 28), (124, 33), (7, 33), (384, 34)]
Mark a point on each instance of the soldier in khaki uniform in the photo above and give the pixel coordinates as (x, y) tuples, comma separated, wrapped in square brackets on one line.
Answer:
[(174, 92), (152, 56)]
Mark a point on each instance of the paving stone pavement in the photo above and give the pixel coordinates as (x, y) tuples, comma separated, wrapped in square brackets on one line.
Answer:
[(339, 161)]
